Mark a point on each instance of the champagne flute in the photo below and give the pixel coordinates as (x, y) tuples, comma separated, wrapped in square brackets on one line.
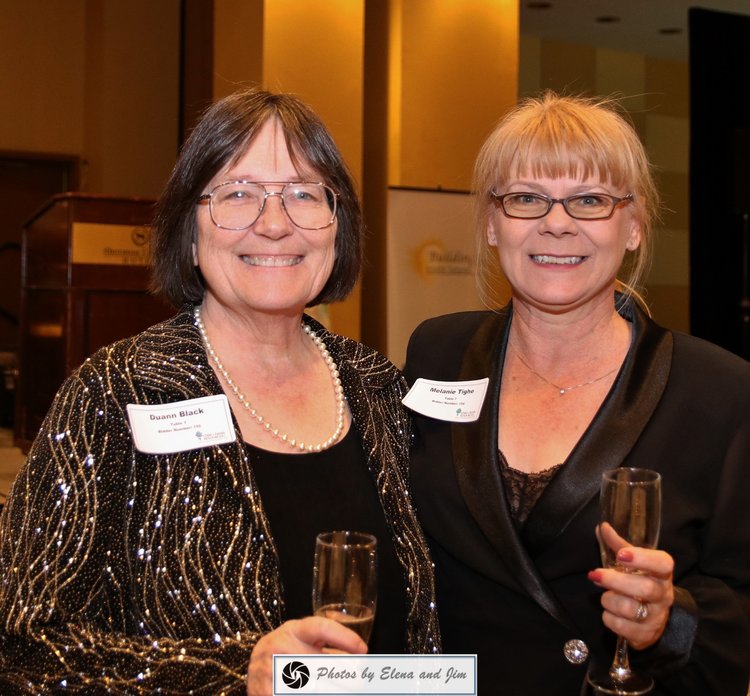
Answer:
[(630, 504), (345, 579)]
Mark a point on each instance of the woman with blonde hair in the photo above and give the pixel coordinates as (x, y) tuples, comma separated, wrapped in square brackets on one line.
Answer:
[(580, 380)]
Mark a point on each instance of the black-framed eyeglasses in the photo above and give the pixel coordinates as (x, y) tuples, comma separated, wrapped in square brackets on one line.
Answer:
[(582, 206), (237, 205)]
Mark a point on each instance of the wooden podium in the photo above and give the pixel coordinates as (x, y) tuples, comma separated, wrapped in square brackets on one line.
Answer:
[(83, 285)]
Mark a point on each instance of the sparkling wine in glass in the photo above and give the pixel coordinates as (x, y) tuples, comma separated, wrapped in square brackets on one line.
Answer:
[(630, 504), (345, 579)]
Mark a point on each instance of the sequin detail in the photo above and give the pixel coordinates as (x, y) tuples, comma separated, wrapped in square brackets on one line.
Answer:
[(128, 573)]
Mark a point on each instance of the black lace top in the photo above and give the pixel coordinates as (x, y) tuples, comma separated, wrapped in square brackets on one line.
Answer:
[(523, 489)]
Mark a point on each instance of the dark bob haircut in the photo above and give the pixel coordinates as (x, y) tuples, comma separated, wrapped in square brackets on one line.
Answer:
[(221, 137)]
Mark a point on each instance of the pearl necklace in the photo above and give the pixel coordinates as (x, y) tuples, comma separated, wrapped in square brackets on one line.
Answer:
[(267, 427), (563, 390)]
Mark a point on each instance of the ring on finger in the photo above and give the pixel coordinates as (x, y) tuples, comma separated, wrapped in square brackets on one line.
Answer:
[(641, 613)]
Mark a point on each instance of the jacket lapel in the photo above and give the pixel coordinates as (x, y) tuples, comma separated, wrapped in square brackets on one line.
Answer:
[(478, 470), (474, 452), (606, 443), (612, 434)]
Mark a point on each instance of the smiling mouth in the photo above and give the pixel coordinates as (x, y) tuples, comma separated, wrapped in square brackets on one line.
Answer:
[(557, 260), (271, 261)]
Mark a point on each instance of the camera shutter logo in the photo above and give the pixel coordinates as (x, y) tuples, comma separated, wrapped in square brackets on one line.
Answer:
[(295, 674)]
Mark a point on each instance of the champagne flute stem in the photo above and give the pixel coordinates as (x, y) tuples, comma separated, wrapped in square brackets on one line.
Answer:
[(620, 668)]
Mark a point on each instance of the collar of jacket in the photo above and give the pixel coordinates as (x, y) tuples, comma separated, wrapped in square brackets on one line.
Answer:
[(606, 443)]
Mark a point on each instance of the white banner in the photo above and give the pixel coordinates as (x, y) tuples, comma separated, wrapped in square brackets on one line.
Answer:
[(430, 261), (454, 675)]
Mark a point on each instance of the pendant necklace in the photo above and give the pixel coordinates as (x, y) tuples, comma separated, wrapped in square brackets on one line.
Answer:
[(563, 390), (294, 443)]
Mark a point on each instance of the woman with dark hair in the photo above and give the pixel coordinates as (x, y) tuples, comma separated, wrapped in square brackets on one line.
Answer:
[(580, 380), (161, 533)]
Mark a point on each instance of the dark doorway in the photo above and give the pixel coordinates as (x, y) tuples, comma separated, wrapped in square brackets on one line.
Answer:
[(27, 181), (720, 179)]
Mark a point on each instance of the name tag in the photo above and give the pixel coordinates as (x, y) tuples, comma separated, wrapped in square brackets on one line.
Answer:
[(182, 425), (458, 402)]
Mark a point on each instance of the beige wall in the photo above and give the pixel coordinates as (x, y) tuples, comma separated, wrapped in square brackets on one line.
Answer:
[(238, 45), (454, 73), (95, 79), (99, 79), (655, 93), (315, 55), (131, 95), (41, 76)]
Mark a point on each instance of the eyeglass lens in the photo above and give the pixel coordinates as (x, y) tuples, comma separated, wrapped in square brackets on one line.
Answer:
[(238, 205), (587, 206)]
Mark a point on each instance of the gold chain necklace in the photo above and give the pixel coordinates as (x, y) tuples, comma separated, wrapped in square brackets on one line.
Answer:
[(563, 390), (259, 419)]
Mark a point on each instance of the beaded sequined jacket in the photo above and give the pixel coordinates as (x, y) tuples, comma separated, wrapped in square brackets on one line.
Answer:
[(122, 572)]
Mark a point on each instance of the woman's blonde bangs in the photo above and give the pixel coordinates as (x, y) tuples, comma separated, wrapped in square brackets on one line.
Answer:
[(568, 140)]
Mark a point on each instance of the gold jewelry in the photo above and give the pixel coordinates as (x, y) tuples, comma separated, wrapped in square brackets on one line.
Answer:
[(562, 390), (274, 432)]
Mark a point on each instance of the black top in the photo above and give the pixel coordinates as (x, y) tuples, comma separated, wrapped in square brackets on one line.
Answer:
[(327, 491), (523, 489)]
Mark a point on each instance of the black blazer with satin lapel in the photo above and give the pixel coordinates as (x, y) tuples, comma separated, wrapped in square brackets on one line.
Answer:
[(678, 405)]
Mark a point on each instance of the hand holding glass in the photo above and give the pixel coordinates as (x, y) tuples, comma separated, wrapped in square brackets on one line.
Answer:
[(345, 579), (630, 504)]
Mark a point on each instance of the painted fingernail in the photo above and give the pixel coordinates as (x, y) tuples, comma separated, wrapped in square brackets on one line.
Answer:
[(595, 576), (625, 555)]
